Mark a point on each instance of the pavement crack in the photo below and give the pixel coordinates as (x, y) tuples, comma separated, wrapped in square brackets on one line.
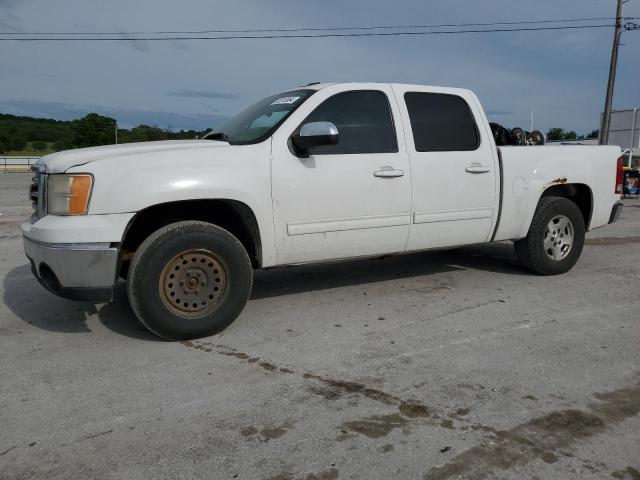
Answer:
[(332, 389), (355, 387), (8, 450), (232, 352), (96, 435), (612, 240), (460, 310), (628, 473), (540, 437)]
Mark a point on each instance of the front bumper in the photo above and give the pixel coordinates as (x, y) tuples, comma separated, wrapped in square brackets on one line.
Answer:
[(615, 212), (78, 271)]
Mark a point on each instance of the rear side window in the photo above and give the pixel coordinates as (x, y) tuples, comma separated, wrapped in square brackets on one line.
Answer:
[(364, 122), (441, 122)]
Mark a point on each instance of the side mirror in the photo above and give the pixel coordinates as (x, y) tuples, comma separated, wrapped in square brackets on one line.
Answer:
[(315, 134)]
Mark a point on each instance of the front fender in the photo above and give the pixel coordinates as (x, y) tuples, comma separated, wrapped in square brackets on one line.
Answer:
[(134, 183)]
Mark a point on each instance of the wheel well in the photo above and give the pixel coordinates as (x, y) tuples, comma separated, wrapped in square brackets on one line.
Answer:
[(235, 217), (578, 193)]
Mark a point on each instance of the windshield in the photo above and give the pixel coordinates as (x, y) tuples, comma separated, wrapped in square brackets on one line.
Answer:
[(259, 121)]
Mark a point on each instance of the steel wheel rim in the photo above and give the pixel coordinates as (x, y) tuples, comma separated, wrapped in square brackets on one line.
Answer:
[(558, 238), (193, 284)]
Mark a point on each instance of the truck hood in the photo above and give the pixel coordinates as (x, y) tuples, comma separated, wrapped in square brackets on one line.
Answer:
[(62, 161)]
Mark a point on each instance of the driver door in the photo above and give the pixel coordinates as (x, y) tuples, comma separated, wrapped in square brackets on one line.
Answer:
[(345, 200)]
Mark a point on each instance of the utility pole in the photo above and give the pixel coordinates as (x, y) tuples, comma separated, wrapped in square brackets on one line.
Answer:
[(116, 129), (533, 112), (606, 116)]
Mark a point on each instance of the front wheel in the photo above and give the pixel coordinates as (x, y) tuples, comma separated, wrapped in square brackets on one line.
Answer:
[(555, 239), (188, 280)]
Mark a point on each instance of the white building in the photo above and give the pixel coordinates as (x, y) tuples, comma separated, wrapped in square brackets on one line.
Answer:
[(624, 131)]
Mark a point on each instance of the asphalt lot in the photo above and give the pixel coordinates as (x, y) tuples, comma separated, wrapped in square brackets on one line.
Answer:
[(438, 365)]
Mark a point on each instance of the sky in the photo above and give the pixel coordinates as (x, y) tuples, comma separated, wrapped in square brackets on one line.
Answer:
[(561, 75)]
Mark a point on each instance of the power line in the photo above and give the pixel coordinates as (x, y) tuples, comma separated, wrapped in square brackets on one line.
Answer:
[(321, 29), (322, 35)]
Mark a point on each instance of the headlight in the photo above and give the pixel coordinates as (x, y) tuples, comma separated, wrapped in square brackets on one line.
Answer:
[(68, 194)]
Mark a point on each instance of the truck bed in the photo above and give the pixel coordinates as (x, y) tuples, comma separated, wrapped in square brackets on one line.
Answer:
[(528, 171)]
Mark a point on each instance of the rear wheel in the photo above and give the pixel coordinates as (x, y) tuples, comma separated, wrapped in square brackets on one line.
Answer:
[(555, 239), (188, 280)]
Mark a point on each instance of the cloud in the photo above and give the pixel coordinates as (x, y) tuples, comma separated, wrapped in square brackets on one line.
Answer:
[(498, 113), (139, 45), (8, 19), (180, 45), (201, 94), (9, 4), (561, 75), (126, 118)]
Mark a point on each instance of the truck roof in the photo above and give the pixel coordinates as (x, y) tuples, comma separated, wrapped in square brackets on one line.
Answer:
[(321, 85)]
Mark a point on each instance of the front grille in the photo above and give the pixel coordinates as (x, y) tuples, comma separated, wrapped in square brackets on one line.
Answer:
[(37, 190), (33, 191)]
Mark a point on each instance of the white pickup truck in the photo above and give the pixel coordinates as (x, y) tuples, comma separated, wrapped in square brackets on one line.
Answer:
[(322, 172)]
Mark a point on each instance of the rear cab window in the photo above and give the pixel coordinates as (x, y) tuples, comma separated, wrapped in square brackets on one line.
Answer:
[(441, 122)]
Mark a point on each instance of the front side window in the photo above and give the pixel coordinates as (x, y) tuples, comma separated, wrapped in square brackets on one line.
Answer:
[(259, 121), (364, 122), (441, 122)]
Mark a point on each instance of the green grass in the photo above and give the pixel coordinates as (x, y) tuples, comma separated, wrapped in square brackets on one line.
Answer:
[(29, 151)]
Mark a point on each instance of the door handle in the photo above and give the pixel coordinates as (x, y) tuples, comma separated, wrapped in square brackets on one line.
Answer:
[(477, 168), (388, 172)]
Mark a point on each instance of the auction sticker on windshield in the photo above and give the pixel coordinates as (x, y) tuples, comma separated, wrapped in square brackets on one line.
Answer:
[(285, 100)]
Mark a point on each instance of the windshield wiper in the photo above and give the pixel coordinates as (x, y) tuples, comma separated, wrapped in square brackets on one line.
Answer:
[(217, 136)]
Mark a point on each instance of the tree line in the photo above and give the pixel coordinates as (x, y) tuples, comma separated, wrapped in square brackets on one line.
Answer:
[(46, 135), (556, 134)]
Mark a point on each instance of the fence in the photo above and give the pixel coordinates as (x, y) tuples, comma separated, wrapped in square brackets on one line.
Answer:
[(16, 164)]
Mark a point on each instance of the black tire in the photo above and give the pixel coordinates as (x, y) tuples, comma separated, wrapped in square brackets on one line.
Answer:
[(531, 249), (147, 288), (518, 137), (537, 137), (500, 134)]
